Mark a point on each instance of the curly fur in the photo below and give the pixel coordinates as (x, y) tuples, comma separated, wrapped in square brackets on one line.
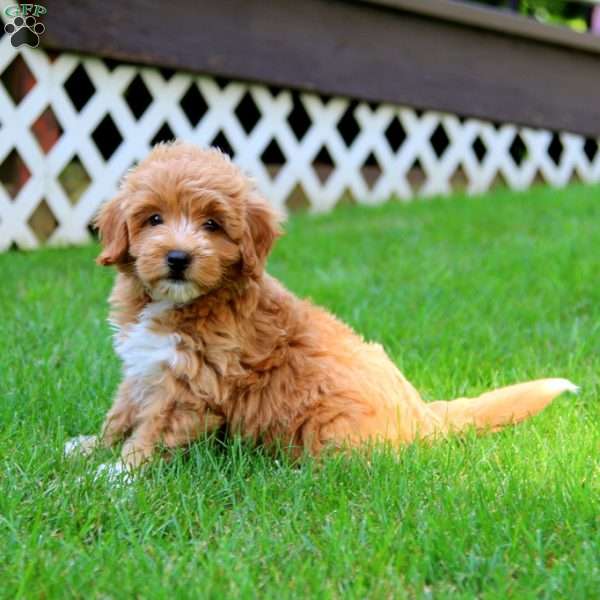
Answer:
[(230, 346)]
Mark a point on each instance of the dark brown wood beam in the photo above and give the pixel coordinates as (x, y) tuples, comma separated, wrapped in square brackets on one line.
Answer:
[(431, 54)]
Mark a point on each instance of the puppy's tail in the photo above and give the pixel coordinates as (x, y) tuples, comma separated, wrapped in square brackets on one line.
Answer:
[(496, 409)]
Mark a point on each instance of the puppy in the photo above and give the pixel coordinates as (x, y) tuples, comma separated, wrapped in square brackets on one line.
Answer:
[(208, 339)]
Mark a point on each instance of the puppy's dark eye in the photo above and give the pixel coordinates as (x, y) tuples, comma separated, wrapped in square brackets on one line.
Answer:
[(155, 220), (211, 225)]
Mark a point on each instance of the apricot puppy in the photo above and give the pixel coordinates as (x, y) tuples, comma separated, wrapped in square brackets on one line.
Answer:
[(208, 339)]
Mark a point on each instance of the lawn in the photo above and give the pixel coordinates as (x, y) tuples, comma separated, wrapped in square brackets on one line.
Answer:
[(465, 294)]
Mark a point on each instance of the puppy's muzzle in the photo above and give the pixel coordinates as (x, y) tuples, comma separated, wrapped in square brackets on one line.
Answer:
[(177, 261)]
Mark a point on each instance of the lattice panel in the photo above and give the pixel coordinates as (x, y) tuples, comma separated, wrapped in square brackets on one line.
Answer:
[(66, 142)]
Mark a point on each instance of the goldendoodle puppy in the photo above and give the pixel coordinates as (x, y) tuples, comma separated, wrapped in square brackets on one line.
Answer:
[(208, 339)]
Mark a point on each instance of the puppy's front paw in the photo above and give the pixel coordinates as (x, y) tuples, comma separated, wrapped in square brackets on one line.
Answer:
[(115, 473), (82, 445)]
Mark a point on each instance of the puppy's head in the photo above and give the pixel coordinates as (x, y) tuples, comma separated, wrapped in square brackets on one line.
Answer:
[(185, 222)]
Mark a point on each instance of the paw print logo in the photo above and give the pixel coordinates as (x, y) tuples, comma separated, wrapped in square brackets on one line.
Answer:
[(25, 31)]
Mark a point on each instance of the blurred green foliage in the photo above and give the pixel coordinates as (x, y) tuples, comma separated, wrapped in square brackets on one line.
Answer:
[(561, 12)]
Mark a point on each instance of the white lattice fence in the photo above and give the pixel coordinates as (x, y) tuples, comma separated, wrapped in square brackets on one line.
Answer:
[(297, 146)]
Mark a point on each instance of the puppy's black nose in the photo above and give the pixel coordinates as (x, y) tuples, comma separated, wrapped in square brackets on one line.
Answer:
[(178, 260)]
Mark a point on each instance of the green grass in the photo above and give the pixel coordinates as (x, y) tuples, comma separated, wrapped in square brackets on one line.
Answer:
[(466, 294)]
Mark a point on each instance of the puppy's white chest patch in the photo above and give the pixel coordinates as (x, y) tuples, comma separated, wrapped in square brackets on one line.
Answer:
[(144, 351)]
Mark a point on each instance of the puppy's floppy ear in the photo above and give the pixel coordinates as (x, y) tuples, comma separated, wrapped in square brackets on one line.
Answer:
[(262, 229), (113, 233)]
